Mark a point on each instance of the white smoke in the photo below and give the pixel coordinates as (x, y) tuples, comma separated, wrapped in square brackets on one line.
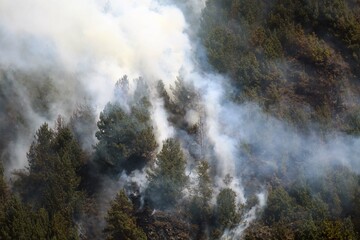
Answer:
[(136, 37), (86, 45), (163, 129)]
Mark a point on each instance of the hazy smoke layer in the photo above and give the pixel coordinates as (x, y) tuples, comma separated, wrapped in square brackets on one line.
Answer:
[(85, 46), (82, 47)]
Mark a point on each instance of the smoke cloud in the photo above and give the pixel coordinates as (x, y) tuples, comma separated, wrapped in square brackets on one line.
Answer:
[(84, 47)]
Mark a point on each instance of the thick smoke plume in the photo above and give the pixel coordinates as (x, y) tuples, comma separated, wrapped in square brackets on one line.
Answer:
[(83, 47)]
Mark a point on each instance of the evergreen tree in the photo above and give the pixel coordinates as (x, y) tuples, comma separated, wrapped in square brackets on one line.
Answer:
[(3, 195), (200, 204), (32, 183), (62, 227), (54, 159), (164, 95), (51, 181), (227, 214), (168, 179), (3, 187), (22, 223), (126, 140), (17, 221), (184, 98), (121, 222)]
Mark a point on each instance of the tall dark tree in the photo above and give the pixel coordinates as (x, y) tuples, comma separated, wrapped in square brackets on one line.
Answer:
[(21, 222), (51, 180), (184, 98), (121, 222), (31, 184), (3, 186), (126, 140), (167, 179), (3, 195), (17, 223), (227, 214), (200, 208)]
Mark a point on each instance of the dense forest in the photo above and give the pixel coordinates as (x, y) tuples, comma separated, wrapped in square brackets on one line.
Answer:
[(263, 143)]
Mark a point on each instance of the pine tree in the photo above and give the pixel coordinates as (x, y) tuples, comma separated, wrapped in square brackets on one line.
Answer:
[(31, 184), (22, 223), (226, 212), (168, 179), (52, 182), (3, 196), (17, 222), (62, 227), (120, 220), (200, 204), (3, 187), (126, 140)]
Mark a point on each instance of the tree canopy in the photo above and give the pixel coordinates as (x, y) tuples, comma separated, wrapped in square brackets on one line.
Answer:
[(167, 179)]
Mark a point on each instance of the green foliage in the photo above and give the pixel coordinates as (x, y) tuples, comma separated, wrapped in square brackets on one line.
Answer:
[(308, 230), (62, 227), (3, 195), (3, 186), (51, 181), (120, 220), (340, 188), (184, 98), (126, 140), (279, 206), (325, 209), (298, 59), (272, 47), (355, 208), (227, 214), (167, 179), (21, 222), (353, 122), (200, 208), (54, 159), (287, 53), (17, 223), (164, 95), (337, 230)]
